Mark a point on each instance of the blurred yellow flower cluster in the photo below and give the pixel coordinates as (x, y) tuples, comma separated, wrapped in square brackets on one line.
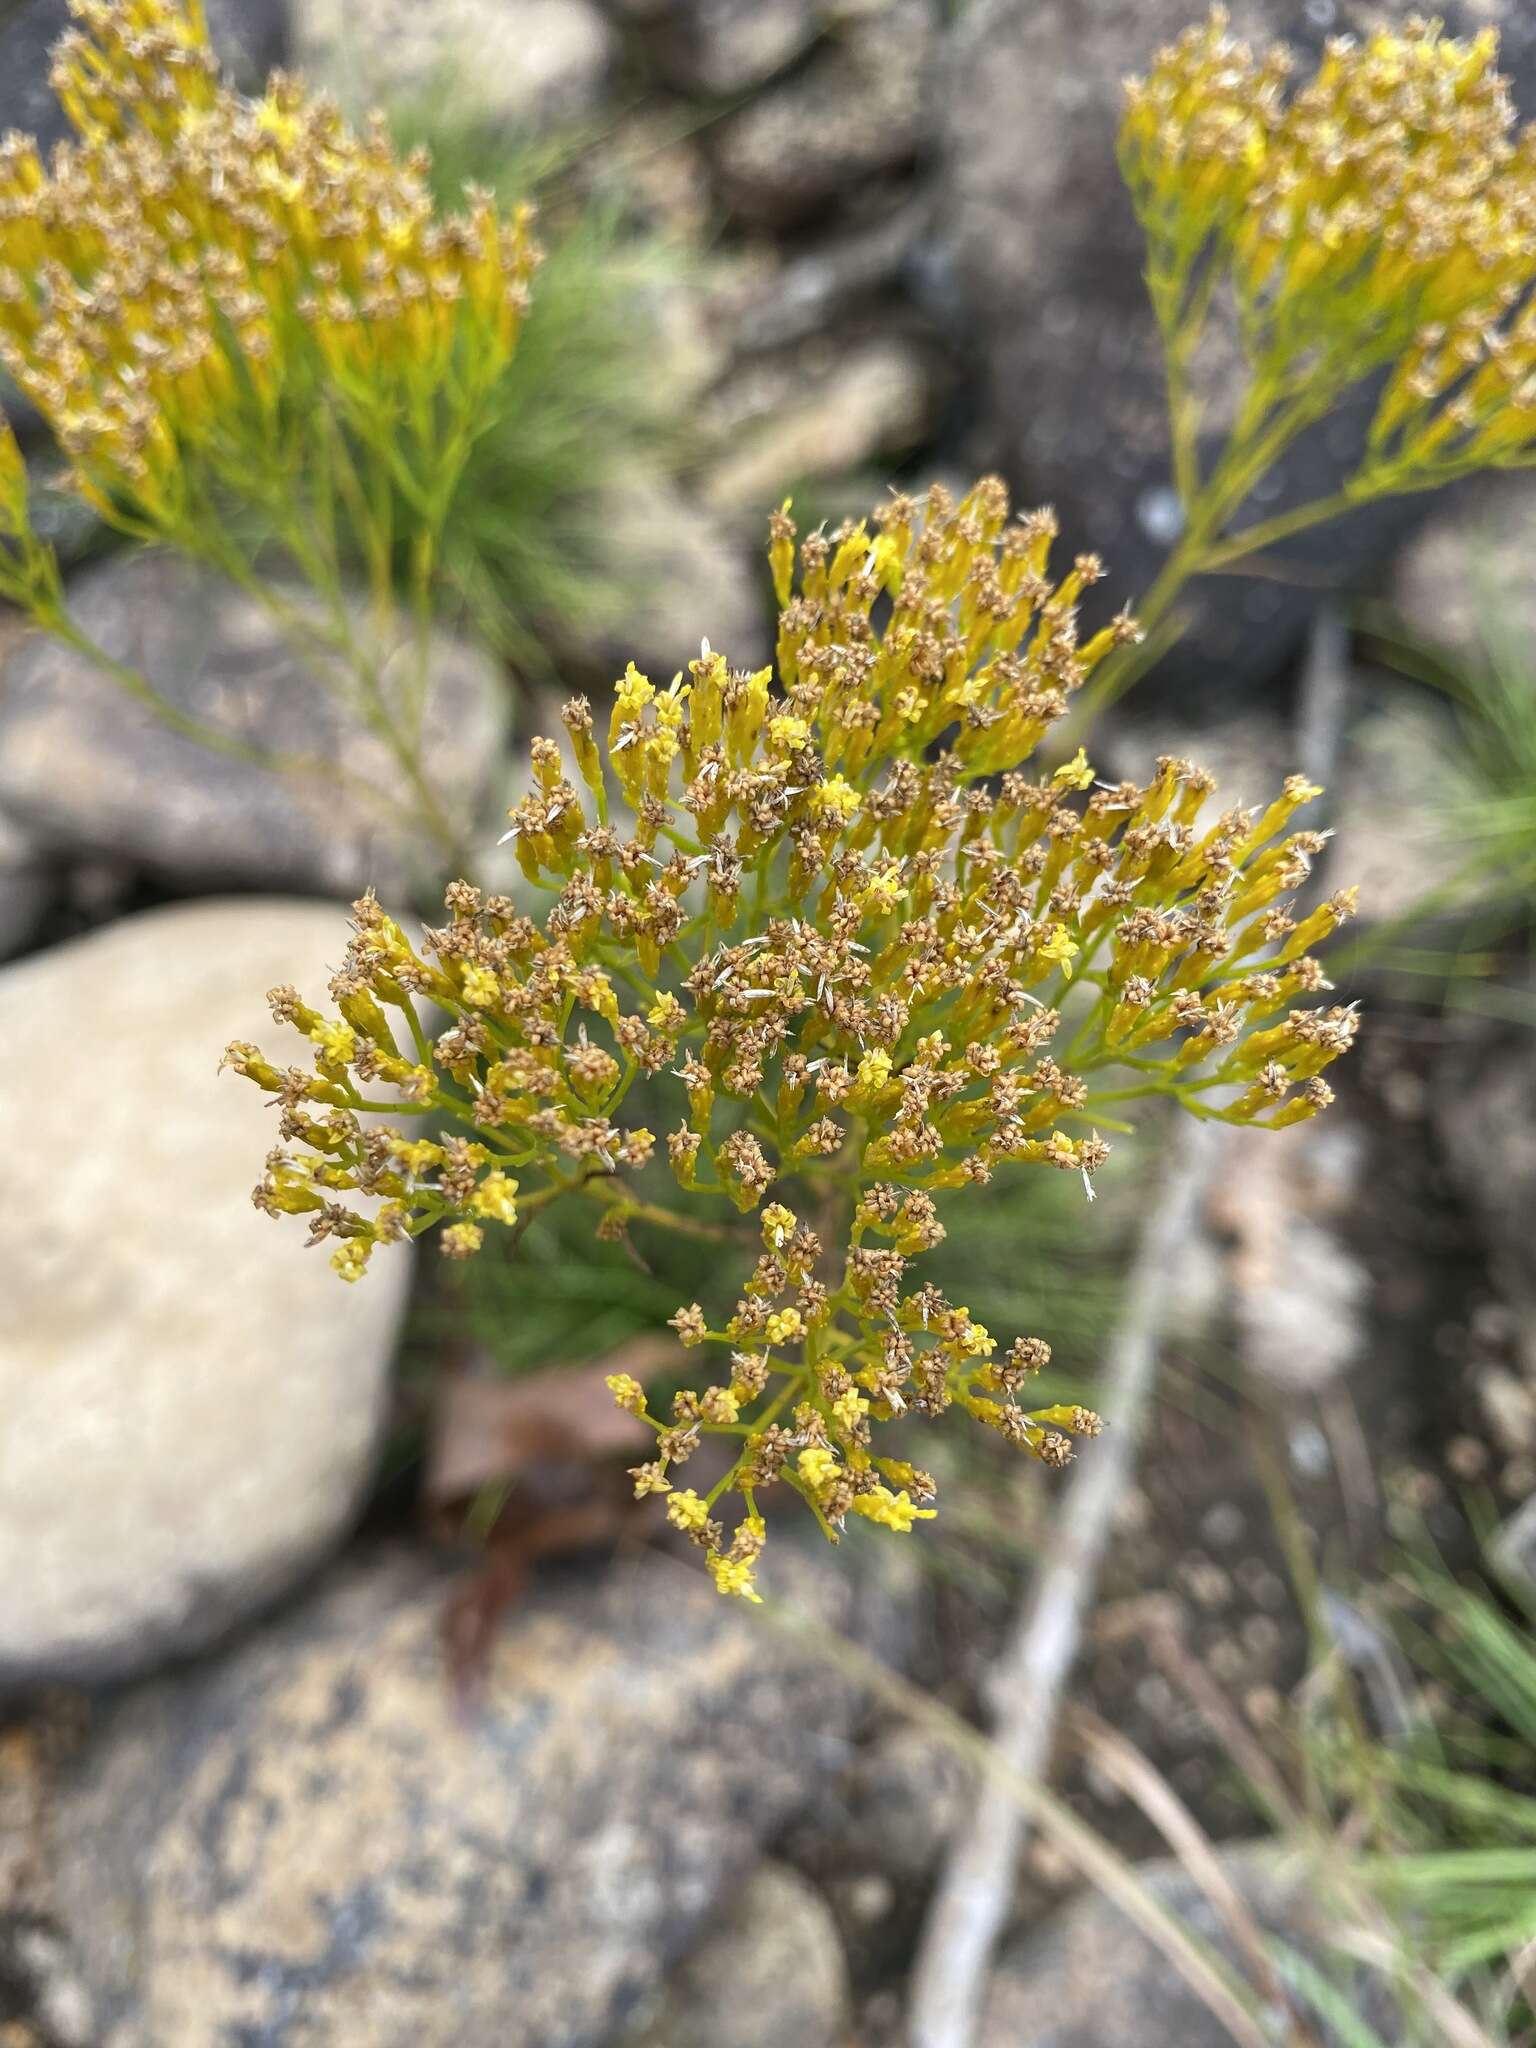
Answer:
[(198, 284), (824, 909), (1365, 234)]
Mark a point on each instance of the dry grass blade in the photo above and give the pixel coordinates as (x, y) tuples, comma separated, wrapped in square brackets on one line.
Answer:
[(1383, 1948), (1155, 1622), (1128, 1768), (1203, 1969)]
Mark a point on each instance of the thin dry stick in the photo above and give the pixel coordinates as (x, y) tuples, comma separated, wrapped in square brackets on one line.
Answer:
[(976, 1887), (1203, 1968)]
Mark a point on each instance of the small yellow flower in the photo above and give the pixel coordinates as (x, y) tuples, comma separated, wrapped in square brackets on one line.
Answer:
[(778, 1222), (787, 733), (836, 797), (784, 1326), (337, 1041), (891, 1510), (874, 1072), (718, 1405), (481, 988), (417, 1155), (495, 1199), (1057, 945), (632, 692), (687, 1510), (850, 1409), (461, 1240), (350, 1258), (884, 889), (733, 1575), (976, 1340), (626, 1391), (650, 1478), (1074, 774), (818, 1467)]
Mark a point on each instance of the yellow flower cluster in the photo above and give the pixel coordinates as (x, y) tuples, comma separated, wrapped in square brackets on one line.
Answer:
[(871, 957), (1379, 217), (209, 297)]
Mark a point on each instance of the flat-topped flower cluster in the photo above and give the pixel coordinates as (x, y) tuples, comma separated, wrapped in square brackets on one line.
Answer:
[(874, 960)]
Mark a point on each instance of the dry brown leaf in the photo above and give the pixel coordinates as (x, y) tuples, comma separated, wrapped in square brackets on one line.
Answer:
[(542, 1429)]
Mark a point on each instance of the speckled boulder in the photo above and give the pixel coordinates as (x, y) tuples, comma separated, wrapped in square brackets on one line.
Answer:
[(306, 1844), (855, 110)]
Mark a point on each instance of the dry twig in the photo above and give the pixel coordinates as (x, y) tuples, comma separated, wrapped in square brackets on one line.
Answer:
[(976, 1886)]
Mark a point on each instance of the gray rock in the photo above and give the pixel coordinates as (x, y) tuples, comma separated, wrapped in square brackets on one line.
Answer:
[(1483, 1107), (721, 47), (1294, 1289), (1038, 270), (41, 1995), (855, 109), (191, 1403), (251, 37), (305, 1842), (905, 1797), (527, 63), (26, 887), (810, 292), (689, 582), (1464, 584), (771, 1975), (815, 415), (1089, 1979), (1397, 834), (84, 766)]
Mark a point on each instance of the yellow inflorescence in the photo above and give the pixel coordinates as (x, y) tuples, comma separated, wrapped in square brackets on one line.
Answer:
[(864, 996), (1380, 216), (199, 276)]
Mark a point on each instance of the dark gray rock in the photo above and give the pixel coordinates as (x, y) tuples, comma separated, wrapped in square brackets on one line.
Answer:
[(307, 1843), (905, 1798), (84, 766), (822, 412), (855, 109), (27, 885), (1089, 1979), (251, 37), (1483, 1106), (819, 284), (1037, 271), (40, 1995)]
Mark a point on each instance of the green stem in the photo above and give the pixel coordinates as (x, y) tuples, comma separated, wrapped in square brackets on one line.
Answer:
[(1248, 540), (602, 1189)]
